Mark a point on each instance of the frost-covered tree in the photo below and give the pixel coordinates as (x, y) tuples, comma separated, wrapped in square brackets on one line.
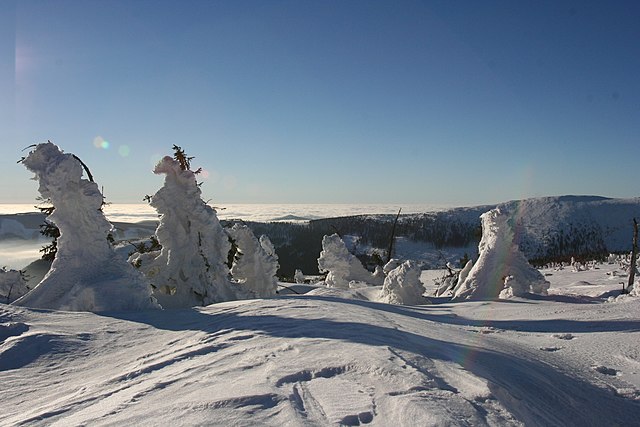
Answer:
[(502, 270), (255, 264), (13, 285), (86, 274), (298, 277), (341, 266), (403, 286), (190, 268)]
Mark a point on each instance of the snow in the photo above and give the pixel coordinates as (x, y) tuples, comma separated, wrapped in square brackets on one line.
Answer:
[(502, 271), (13, 285), (333, 356), (341, 266), (563, 359), (190, 268), (403, 286), (255, 264), (86, 273)]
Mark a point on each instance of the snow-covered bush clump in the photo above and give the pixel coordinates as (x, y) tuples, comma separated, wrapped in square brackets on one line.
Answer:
[(403, 286), (255, 264), (190, 268), (86, 274), (502, 270), (341, 266), (12, 285), (298, 277)]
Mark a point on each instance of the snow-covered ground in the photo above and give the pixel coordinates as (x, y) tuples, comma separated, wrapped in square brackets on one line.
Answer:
[(569, 358)]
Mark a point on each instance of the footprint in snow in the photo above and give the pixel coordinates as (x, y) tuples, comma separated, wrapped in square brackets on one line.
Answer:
[(550, 349), (563, 336)]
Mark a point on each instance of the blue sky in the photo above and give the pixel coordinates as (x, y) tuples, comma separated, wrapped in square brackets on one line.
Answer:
[(444, 102)]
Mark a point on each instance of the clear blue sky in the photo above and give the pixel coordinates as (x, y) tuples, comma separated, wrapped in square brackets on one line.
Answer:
[(455, 102)]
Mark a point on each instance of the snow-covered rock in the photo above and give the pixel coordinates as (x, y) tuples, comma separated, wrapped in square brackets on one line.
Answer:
[(190, 268), (341, 266), (502, 270), (403, 286), (255, 264), (86, 274)]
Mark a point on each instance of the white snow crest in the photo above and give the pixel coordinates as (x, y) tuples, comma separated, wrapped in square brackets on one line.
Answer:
[(403, 286), (502, 271), (86, 274), (256, 263), (190, 269)]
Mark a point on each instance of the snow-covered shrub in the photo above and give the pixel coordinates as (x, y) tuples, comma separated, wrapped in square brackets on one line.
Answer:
[(341, 266), (255, 264), (502, 269), (190, 268), (298, 277), (86, 274), (403, 286), (13, 285)]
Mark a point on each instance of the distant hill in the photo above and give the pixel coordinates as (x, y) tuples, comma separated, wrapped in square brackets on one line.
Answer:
[(546, 228)]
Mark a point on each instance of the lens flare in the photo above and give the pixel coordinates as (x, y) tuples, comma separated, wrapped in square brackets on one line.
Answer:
[(100, 142), (124, 150)]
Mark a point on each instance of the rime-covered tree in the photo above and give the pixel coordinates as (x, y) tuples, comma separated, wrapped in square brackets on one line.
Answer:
[(403, 286), (341, 266), (86, 274), (502, 271), (190, 268), (255, 264)]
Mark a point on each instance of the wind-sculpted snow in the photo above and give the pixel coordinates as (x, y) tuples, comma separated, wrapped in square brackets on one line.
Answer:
[(314, 360), (86, 274), (501, 271)]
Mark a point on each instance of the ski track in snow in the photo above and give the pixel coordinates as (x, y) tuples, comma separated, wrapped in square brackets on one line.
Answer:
[(324, 360)]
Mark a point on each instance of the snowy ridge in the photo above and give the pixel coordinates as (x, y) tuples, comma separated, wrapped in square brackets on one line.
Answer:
[(568, 225), (545, 227)]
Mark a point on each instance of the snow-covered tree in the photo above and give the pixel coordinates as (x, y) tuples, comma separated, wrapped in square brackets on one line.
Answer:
[(86, 274), (298, 277), (13, 285), (341, 266), (190, 268), (403, 286), (255, 264), (502, 270)]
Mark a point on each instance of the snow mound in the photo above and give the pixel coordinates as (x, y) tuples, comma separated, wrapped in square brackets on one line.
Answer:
[(502, 271), (86, 274)]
